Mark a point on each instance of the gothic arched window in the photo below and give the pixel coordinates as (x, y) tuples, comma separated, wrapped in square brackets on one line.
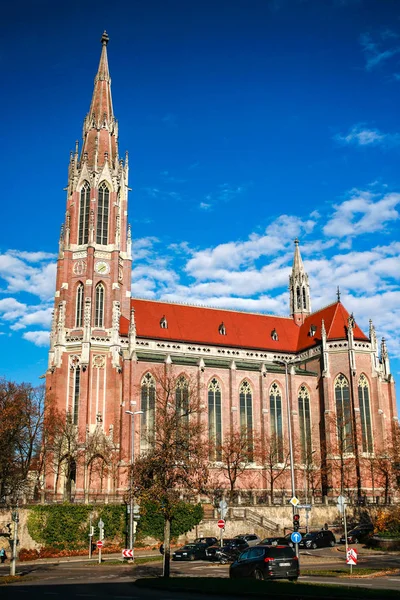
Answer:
[(275, 406), (304, 298), (214, 419), (79, 306), (99, 306), (305, 425), (102, 214), (343, 414), (148, 406), (246, 414), (84, 208), (298, 297), (365, 413), (182, 410)]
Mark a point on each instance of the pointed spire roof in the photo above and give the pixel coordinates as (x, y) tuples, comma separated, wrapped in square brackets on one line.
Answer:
[(297, 260), (99, 130)]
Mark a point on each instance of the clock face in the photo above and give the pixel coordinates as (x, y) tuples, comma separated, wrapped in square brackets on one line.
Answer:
[(102, 268)]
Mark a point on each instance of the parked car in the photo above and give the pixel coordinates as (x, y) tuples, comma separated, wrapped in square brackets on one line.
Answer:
[(266, 562), (210, 541), (278, 541), (318, 539), (359, 533), (231, 548), (251, 538), (190, 552)]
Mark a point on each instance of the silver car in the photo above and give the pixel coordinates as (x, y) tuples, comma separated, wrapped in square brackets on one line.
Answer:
[(251, 538)]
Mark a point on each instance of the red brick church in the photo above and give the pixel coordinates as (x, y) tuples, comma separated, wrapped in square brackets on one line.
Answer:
[(105, 346)]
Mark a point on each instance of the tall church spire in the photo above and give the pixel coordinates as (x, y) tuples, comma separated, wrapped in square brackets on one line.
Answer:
[(300, 305), (100, 133)]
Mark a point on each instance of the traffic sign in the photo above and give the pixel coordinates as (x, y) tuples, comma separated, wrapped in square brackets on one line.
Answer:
[(100, 524), (223, 509), (223, 504), (341, 503), (351, 557), (127, 553), (221, 524), (296, 537), (295, 501), (100, 544), (306, 506)]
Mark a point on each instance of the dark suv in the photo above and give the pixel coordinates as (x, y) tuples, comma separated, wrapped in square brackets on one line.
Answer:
[(318, 539), (360, 533), (266, 562)]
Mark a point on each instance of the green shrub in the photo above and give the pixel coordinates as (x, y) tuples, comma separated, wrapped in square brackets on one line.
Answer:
[(185, 517)]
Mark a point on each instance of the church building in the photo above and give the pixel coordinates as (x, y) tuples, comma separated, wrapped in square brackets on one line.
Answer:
[(250, 367)]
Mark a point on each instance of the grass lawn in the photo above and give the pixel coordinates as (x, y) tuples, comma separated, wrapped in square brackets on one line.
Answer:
[(247, 588), (345, 572)]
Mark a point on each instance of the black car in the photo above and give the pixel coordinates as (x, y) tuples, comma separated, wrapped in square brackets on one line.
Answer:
[(318, 539), (210, 541), (266, 562), (278, 541), (231, 548), (360, 533), (190, 552)]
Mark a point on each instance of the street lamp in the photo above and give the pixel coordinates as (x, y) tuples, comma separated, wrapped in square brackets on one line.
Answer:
[(286, 363), (132, 415)]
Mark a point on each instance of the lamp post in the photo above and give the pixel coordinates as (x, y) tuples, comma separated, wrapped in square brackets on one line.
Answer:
[(286, 363), (132, 415)]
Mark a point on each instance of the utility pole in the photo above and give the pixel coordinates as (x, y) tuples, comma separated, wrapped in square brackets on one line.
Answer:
[(132, 527)]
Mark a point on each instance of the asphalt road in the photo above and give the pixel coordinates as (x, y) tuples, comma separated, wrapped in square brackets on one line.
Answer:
[(116, 581)]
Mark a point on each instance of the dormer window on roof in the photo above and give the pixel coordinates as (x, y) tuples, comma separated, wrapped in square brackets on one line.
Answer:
[(222, 329), (163, 322), (274, 335), (312, 331)]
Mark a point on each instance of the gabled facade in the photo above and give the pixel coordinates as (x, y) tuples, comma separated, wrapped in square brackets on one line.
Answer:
[(105, 346)]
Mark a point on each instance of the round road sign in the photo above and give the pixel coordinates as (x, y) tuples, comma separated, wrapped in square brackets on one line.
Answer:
[(295, 537), (99, 544), (221, 524)]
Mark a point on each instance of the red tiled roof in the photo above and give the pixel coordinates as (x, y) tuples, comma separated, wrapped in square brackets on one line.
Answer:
[(200, 325)]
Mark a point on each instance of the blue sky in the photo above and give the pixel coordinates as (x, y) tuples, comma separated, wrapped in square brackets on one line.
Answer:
[(248, 123)]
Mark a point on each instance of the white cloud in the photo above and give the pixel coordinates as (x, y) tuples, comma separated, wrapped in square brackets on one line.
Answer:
[(39, 338), (375, 55), (360, 135), (364, 212)]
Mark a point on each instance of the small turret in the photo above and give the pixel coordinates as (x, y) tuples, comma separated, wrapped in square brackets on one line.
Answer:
[(300, 304)]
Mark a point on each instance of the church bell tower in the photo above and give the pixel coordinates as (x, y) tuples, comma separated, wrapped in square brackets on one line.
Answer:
[(93, 272), (300, 303)]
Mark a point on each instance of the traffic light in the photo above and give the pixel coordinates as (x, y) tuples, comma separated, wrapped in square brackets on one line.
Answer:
[(296, 522)]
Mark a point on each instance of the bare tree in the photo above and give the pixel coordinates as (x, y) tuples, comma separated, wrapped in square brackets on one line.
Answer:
[(101, 458), (176, 458), (235, 452), (274, 460)]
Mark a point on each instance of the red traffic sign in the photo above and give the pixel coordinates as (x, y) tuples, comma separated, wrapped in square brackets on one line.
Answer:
[(221, 524), (351, 557), (99, 544), (127, 553)]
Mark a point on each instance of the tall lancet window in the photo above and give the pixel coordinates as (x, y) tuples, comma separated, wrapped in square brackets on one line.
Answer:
[(246, 415), (275, 409), (214, 419), (365, 413), (84, 208), (77, 388), (148, 406), (305, 425), (99, 306), (304, 298), (343, 415), (298, 297), (79, 306), (102, 214)]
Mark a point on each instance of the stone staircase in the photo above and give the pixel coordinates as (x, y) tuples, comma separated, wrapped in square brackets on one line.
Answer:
[(252, 516)]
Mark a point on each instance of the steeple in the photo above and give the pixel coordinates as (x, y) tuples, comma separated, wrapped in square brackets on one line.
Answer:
[(100, 132), (300, 305)]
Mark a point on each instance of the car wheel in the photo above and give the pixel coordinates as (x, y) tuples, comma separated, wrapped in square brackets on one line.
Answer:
[(192, 557), (293, 578), (332, 543), (223, 561), (314, 546), (258, 575)]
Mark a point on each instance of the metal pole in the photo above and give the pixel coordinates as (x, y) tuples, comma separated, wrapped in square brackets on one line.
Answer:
[(90, 536), (131, 484), (290, 443)]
